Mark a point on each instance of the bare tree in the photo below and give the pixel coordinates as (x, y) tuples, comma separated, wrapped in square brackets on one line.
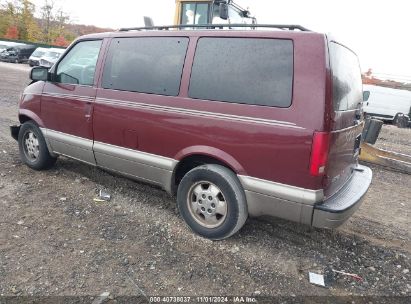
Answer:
[(47, 17), (53, 20)]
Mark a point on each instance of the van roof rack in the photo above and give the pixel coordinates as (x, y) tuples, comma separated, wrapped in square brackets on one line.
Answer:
[(290, 27)]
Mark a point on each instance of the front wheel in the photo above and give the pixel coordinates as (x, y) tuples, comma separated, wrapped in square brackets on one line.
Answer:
[(212, 201), (33, 148)]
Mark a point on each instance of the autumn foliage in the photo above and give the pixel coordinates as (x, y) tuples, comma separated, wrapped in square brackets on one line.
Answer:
[(61, 41), (12, 33), (44, 22), (369, 78)]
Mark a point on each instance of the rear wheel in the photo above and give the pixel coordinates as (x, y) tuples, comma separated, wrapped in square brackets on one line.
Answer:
[(33, 148), (401, 120), (212, 202)]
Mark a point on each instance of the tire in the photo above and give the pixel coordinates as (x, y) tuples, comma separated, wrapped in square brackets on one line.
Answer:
[(33, 148), (212, 201), (395, 119)]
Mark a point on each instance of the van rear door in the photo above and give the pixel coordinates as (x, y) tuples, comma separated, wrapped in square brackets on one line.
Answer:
[(346, 117)]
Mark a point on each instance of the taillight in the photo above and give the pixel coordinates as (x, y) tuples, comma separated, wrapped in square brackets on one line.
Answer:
[(319, 153)]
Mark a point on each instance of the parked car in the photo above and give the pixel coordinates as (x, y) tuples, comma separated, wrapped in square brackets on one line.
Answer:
[(234, 123), (386, 103), (50, 57), (4, 45), (34, 59), (5, 54), (17, 53)]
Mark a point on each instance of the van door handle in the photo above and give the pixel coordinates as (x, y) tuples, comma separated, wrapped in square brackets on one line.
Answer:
[(87, 109)]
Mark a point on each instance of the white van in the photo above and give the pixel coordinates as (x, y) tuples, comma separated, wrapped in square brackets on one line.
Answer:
[(34, 59), (50, 57), (386, 103)]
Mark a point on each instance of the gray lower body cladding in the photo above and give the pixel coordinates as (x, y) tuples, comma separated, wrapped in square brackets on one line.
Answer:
[(264, 198)]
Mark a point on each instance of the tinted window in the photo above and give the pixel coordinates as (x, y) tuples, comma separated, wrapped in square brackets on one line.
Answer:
[(79, 65), (251, 71), (146, 65), (347, 84)]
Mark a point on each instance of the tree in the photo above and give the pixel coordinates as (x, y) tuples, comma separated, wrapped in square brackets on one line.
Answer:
[(8, 16), (12, 33), (51, 26), (47, 18), (53, 22), (28, 27), (18, 14), (61, 41)]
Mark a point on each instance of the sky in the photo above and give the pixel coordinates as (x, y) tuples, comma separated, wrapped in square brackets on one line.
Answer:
[(377, 30)]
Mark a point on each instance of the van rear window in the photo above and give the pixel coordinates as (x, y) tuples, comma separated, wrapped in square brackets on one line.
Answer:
[(243, 70), (145, 64), (347, 83)]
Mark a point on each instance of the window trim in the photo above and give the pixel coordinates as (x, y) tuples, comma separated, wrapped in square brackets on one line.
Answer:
[(53, 71), (243, 103)]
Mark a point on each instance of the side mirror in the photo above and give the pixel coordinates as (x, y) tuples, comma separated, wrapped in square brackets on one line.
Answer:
[(365, 95), (39, 73), (223, 11)]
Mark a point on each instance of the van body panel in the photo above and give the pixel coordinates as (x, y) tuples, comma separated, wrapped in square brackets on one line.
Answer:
[(67, 110), (265, 134), (145, 135), (148, 167), (253, 143), (343, 157), (345, 117)]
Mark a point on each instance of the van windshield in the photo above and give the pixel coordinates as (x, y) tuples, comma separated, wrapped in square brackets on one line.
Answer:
[(53, 55), (38, 53), (346, 72)]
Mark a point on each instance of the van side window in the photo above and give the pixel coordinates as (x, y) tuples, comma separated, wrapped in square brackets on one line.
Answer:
[(249, 71), (79, 65), (145, 64), (347, 83)]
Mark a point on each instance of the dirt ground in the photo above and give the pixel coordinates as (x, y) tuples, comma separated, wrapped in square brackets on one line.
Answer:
[(56, 241), (395, 139)]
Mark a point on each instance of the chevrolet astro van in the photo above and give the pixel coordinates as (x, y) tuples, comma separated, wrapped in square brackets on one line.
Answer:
[(234, 123)]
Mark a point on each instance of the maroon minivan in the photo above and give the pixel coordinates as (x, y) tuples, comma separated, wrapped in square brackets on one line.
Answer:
[(236, 123)]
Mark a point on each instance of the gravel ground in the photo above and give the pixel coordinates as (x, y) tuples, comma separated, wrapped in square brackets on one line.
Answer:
[(56, 241), (395, 139)]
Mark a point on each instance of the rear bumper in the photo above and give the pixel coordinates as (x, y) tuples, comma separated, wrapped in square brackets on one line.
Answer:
[(335, 210), (14, 131)]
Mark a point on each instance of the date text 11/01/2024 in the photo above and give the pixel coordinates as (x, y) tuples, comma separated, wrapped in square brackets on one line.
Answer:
[(203, 299)]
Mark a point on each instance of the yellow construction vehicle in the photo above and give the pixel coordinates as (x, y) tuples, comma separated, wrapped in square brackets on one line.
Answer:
[(211, 12), (393, 160)]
